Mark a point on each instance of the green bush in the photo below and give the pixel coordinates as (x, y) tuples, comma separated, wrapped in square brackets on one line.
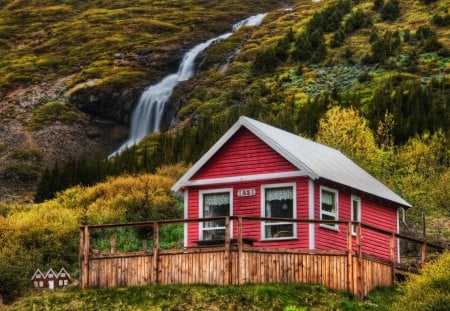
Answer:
[(390, 10), (16, 268), (429, 290), (27, 154), (22, 172), (53, 111)]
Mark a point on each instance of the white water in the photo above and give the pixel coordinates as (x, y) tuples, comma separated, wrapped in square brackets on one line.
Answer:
[(147, 116)]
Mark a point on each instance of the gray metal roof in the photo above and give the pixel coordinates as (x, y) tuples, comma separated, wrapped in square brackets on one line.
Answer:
[(317, 160), (321, 161)]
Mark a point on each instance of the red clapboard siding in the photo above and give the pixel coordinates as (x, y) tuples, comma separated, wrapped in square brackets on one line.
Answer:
[(375, 214), (251, 207), (326, 238), (244, 154), (372, 213)]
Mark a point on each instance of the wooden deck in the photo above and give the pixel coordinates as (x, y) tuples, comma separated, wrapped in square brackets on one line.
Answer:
[(235, 263)]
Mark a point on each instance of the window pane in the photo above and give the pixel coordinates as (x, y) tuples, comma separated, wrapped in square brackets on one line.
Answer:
[(279, 231), (355, 210), (328, 217), (328, 201), (218, 234), (279, 202), (215, 205)]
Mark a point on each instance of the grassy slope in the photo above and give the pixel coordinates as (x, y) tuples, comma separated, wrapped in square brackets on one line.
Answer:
[(46, 39), (197, 297), (317, 78)]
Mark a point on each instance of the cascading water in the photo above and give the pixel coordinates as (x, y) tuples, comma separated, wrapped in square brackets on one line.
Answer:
[(147, 116)]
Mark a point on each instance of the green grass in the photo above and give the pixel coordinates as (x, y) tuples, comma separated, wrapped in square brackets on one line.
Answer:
[(48, 39), (54, 111), (202, 297)]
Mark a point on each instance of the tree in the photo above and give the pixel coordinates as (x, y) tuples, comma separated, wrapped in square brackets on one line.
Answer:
[(391, 10), (347, 131), (338, 39)]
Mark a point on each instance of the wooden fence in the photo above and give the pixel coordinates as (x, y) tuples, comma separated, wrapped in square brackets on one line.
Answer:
[(235, 263)]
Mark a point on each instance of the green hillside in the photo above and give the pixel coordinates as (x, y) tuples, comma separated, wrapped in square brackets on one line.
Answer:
[(104, 39), (369, 77)]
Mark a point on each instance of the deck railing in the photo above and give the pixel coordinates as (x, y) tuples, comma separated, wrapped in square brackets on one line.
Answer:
[(347, 269)]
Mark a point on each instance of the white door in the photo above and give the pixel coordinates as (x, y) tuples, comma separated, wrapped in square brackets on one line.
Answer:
[(51, 284)]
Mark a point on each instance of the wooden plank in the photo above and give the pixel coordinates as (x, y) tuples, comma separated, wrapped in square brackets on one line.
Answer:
[(423, 253), (86, 247), (226, 268), (240, 256), (155, 252)]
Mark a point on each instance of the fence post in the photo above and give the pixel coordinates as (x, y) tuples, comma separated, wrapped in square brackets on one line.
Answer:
[(392, 250), (423, 253), (85, 268), (226, 270), (359, 270), (113, 244), (81, 256), (349, 258), (155, 252), (240, 257)]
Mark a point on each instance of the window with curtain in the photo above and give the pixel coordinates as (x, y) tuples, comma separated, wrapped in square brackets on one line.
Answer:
[(279, 202), (215, 205), (328, 209)]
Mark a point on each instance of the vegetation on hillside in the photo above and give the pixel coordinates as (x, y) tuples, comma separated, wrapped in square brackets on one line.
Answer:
[(429, 290), (104, 40), (46, 235), (287, 297)]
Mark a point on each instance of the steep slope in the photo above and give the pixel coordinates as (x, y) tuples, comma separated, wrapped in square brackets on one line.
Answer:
[(70, 72)]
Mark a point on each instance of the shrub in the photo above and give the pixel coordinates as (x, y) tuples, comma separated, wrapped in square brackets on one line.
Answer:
[(390, 10), (22, 172), (28, 154), (441, 20), (53, 111), (378, 5), (338, 39), (17, 265), (429, 290)]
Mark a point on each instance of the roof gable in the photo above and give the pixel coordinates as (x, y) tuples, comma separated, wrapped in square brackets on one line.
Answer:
[(313, 159), (243, 154)]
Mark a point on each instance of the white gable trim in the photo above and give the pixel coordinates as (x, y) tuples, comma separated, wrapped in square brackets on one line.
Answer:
[(38, 271), (63, 271), (235, 179), (48, 272), (185, 179)]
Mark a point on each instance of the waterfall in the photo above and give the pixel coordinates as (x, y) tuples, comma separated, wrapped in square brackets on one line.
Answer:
[(147, 116)]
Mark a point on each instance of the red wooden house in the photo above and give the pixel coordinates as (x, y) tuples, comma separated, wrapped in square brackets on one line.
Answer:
[(261, 171)]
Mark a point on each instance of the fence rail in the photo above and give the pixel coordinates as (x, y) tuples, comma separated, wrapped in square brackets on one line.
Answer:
[(233, 263)]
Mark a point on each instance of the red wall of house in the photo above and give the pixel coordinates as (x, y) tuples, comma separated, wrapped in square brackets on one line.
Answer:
[(244, 154), (251, 207), (374, 214)]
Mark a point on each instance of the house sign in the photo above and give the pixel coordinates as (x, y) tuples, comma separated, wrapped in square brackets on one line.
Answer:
[(246, 193)]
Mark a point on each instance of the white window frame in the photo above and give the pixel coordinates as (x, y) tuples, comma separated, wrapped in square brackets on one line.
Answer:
[(334, 227), (263, 210), (200, 207), (355, 198)]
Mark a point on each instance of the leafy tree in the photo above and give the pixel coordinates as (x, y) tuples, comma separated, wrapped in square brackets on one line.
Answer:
[(378, 5), (358, 19), (385, 46), (346, 130), (441, 20), (265, 61), (391, 10), (338, 39)]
